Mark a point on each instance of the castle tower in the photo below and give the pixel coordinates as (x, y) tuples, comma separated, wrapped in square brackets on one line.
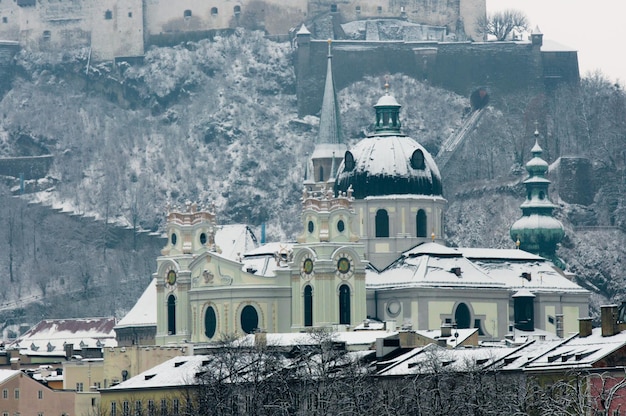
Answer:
[(537, 231), (328, 268), (397, 188), (190, 232), (330, 148)]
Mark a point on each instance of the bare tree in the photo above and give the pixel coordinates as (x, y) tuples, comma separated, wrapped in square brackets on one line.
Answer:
[(501, 24)]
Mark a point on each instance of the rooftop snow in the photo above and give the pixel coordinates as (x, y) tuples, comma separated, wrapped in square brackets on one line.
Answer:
[(49, 336), (144, 311)]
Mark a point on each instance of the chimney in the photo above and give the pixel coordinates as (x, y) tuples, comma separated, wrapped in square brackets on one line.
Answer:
[(69, 351), (559, 325), (390, 326), (446, 330), (608, 318), (260, 339), (584, 327)]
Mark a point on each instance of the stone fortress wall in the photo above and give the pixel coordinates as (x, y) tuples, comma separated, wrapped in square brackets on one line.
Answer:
[(116, 28)]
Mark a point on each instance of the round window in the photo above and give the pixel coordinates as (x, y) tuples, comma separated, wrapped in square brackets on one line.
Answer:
[(341, 226), (173, 239), (249, 319), (311, 226), (210, 322), (417, 160), (203, 238)]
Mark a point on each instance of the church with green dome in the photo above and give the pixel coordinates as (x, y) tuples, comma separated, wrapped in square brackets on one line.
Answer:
[(371, 250)]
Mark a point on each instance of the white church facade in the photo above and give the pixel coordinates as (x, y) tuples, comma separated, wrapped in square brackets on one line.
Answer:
[(372, 248)]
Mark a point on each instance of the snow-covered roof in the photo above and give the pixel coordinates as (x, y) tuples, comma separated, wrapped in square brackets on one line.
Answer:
[(50, 336), (7, 374), (552, 46), (430, 265), (144, 311), (234, 240), (451, 341), (579, 352), (498, 254), (176, 372), (424, 360), (385, 165), (262, 260), (352, 339)]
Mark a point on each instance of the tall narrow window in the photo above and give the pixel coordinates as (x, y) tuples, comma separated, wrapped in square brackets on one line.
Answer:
[(462, 316), (237, 10), (344, 305), (382, 223), (249, 319), (321, 173), (308, 306), (171, 315), (210, 322), (422, 227)]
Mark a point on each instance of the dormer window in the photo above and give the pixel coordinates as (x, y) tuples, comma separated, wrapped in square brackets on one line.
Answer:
[(348, 161)]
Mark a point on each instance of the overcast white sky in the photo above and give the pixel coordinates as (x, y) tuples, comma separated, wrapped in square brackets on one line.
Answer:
[(596, 29)]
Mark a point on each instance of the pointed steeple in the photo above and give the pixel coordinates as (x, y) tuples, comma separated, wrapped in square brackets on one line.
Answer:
[(330, 123), (330, 147), (537, 231)]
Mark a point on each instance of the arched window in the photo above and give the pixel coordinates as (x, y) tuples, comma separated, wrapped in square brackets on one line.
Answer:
[(344, 305), (249, 319), (308, 306), (462, 316), (422, 227), (382, 223), (171, 315), (213, 11), (187, 14), (237, 10), (321, 173), (210, 322)]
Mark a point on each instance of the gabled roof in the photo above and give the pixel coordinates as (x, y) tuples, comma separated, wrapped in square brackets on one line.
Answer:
[(426, 359), (579, 352), (6, 375), (144, 312), (49, 336), (176, 372)]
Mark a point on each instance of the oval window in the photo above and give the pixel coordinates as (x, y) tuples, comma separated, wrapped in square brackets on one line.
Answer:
[(348, 161), (341, 226), (203, 238), (417, 160), (174, 238), (210, 322), (249, 319), (311, 226)]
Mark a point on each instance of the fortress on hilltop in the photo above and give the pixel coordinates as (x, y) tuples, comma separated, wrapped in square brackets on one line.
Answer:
[(434, 40), (114, 28)]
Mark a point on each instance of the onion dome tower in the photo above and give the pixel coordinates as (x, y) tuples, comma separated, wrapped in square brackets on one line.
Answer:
[(396, 185), (330, 146), (537, 231)]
